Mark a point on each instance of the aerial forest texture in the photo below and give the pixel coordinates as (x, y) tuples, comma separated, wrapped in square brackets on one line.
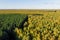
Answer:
[(31, 25)]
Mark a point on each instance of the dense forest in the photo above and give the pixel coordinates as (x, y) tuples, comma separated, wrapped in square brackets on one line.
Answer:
[(44, 26)]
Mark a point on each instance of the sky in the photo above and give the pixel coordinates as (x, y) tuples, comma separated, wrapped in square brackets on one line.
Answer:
[(29, 4)]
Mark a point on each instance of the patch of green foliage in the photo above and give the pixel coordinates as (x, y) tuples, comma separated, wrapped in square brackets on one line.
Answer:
[(8, 22)]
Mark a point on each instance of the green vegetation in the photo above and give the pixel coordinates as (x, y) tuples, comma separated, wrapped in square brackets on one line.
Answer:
[(8, 22)]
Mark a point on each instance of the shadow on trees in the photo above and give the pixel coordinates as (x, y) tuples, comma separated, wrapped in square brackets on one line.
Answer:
[(22, 23)]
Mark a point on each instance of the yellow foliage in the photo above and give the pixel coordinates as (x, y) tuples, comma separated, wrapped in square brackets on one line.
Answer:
[(41, 27)]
